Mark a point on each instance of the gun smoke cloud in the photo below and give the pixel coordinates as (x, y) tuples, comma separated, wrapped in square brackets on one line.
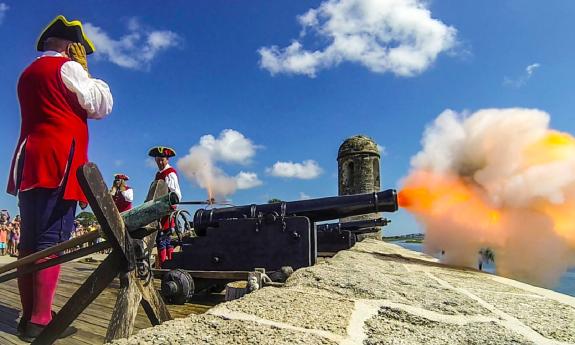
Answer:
[(499, 179), (199, 165)]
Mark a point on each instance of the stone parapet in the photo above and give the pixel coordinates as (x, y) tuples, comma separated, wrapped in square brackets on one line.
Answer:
[(380, 293)]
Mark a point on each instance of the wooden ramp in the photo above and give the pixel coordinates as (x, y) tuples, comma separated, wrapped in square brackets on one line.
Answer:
[(93, 322)]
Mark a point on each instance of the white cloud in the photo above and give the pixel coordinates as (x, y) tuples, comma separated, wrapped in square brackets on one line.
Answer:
[(118, 163), (304, 196), (396, 36), (136, 49), (3, 9), (231, 146), (308, 169), (247, 180), (531, 68), (521, 80)]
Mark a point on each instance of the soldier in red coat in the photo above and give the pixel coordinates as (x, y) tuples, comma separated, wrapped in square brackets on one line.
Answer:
[(122, 194), (165, 172), (57, 96)]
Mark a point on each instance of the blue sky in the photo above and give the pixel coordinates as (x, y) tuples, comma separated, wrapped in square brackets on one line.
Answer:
[(186, 69)]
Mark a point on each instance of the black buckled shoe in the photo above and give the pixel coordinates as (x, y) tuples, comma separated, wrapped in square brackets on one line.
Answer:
[(32, 331), (23, 323), (21, 326)]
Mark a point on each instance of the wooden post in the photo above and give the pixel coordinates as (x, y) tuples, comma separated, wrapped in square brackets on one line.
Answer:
[(238, 289), (235, 290)]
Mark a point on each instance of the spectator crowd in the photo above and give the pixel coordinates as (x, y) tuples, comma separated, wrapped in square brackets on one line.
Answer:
[(9, 234), (80, 230)]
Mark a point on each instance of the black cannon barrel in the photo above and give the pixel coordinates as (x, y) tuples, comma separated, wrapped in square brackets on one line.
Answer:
[(315, 209)]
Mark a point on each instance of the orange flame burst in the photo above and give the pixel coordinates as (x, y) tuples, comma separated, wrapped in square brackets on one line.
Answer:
[(441, 197), (450, 197), (210, 193)]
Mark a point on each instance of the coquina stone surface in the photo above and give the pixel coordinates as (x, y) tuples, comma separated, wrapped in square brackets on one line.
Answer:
[(380, 293)]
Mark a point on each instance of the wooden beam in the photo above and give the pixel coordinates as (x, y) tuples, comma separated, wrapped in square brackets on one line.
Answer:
[(91, 236), (55, 261), (224, 275)]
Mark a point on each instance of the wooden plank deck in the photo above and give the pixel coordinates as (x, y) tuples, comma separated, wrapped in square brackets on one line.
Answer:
[(93, 322)]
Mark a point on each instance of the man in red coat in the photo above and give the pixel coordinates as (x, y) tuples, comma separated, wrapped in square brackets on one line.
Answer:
[(165, 172), (57, 96), (122, 194)]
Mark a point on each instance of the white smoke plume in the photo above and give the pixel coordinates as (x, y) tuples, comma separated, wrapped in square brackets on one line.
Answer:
[(199, 165), (498, 179)]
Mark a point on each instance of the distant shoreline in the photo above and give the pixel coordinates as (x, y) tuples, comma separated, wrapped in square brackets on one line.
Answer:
[(410, 238)]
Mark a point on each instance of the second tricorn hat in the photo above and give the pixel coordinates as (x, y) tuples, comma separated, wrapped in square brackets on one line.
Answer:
[(60, 27), (161, 151), (121, 177)]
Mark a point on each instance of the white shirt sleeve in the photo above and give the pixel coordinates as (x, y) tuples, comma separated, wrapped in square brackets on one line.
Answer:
[(128, 194), (93, 94), (173, 185)]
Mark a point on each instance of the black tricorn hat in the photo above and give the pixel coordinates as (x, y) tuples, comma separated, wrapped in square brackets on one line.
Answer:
[(161, 151), (72, 31)]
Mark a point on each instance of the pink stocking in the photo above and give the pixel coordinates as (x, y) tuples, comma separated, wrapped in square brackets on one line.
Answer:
[(26, 288), (162, 256), (45, 283)]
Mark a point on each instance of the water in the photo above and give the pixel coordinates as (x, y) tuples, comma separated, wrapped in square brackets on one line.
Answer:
[(566, 284)]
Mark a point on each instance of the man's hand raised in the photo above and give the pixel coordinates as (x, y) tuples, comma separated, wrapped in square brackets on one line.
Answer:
[(77, 52), (123, 186)]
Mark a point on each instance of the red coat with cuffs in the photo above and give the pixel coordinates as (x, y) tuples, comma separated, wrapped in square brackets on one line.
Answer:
[(53, 124)]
